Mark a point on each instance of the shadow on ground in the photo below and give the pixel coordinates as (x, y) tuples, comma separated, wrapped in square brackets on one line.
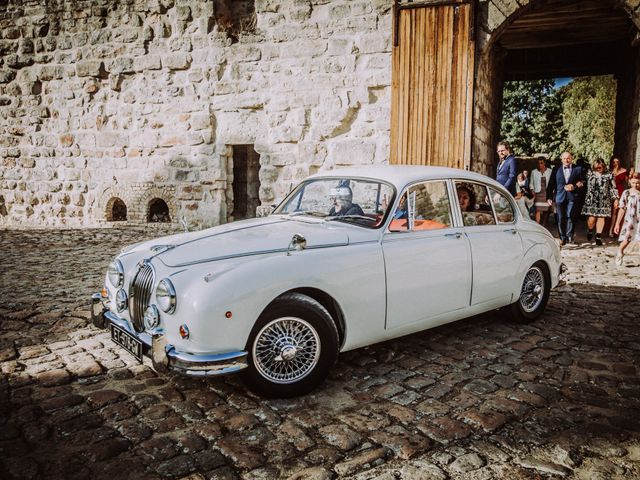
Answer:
[(480, 398)]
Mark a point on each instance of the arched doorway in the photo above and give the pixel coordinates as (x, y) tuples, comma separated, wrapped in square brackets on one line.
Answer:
[(158, 211), (116, 210), (553, 38)]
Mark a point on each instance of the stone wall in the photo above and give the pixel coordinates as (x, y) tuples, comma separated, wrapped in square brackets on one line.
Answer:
[(143, 99), (104, 98), (487, 111)]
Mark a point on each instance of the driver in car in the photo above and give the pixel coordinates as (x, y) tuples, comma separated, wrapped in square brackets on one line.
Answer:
[(342, 197)]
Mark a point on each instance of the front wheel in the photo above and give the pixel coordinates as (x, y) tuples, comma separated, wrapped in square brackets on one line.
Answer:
[(534, 294), (292, 347)]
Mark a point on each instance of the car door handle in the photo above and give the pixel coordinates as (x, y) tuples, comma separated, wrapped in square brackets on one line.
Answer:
[(454, 235), (511, 230)]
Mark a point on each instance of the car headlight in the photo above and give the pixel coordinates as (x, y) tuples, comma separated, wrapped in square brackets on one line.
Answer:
[(166, 296), (121, 300), (115, 273)]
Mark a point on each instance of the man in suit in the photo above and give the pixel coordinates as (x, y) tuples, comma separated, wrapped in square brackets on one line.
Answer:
[(506, 172), (565, 187)]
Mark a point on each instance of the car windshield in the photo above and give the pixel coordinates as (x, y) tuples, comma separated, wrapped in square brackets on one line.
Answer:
[(352, 200)]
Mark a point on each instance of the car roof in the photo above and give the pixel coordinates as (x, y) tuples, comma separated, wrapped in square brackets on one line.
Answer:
[(402, 175)]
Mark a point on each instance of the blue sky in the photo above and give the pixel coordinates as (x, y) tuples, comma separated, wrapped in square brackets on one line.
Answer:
[(561, 82)]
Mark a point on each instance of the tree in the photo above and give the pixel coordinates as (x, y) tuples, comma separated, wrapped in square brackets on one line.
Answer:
[(579, 117), (550, 132), (532, 117), (589, 110)]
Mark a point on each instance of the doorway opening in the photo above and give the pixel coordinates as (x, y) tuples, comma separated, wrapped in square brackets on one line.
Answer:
[(116, 210), (550, 39), (235, 17), (246, 182), (158, 211)]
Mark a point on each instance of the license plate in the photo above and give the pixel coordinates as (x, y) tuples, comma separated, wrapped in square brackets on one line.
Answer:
[(127, 341)]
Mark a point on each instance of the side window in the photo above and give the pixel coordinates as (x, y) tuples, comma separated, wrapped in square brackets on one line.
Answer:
[(424, 206), (502, 206), (474, 203)]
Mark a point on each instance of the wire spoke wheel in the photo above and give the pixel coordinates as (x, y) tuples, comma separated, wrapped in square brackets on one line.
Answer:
[(533, 290), (286, 350)]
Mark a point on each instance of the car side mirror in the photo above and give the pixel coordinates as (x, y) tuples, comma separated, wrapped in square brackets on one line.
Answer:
[(298, 242)]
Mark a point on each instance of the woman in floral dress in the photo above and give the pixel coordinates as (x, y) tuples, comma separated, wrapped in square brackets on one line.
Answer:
[(629, 210), (601, 193)]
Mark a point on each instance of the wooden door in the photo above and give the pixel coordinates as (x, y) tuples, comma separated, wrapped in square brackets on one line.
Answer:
[(432, 84)]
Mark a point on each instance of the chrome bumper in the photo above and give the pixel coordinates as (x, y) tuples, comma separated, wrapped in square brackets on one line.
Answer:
[(163, 355)]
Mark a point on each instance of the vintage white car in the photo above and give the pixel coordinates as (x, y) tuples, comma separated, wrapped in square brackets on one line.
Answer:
[(349, 258)]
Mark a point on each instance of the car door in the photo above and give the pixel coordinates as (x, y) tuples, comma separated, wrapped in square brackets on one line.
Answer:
[(427, 258), (496, 247)]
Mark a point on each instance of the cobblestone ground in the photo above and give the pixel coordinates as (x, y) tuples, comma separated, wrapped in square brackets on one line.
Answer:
[(479, 399)]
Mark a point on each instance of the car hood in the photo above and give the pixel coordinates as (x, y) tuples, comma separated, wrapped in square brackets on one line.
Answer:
[(248, 237)]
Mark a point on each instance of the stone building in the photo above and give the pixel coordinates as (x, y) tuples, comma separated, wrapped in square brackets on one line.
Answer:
[(201, 111)]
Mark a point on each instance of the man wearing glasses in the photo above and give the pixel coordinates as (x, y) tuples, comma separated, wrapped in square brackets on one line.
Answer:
[(506, 172)]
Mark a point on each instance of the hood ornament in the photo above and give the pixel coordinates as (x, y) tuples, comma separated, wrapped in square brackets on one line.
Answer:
[(158, 249), (298, 242)]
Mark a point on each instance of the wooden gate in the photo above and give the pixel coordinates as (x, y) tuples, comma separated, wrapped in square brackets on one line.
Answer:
[(432, 83)]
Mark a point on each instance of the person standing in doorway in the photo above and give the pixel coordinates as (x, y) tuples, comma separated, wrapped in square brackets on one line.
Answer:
[(538, 184), (629, 213), (524, 196), (601, 194), (621, 176), (565, 187), (506, 171)]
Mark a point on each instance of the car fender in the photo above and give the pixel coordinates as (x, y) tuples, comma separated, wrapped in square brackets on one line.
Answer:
[(536, 247), (221, 301)]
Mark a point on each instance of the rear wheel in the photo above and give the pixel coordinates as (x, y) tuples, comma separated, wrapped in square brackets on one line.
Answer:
[(534, 294), (291, 348)]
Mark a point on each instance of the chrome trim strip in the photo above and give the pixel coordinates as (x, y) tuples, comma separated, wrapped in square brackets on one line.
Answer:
[(253, 254)]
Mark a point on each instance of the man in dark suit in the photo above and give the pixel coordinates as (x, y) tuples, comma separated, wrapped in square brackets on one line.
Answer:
[(506, 171), (565, 188)]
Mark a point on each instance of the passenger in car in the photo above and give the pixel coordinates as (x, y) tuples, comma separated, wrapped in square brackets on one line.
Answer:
[(472, 212), (342, 198), (466, 198), (401, 212)]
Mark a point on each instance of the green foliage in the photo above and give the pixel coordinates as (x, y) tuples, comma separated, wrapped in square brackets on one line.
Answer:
[(589, 111), (579, 117), (532, 117)]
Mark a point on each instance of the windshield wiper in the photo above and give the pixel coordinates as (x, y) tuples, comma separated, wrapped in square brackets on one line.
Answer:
[(349, 217), (308, 212)]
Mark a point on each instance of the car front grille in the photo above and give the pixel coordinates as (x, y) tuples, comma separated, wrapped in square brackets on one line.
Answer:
[(140, 295)]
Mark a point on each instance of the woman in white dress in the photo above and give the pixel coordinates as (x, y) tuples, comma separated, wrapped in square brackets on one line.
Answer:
[(628, 221), (524, 197), (538, 185)]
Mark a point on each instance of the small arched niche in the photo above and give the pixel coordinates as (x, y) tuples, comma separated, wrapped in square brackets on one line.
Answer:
[(158, 211), (116, 210)]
